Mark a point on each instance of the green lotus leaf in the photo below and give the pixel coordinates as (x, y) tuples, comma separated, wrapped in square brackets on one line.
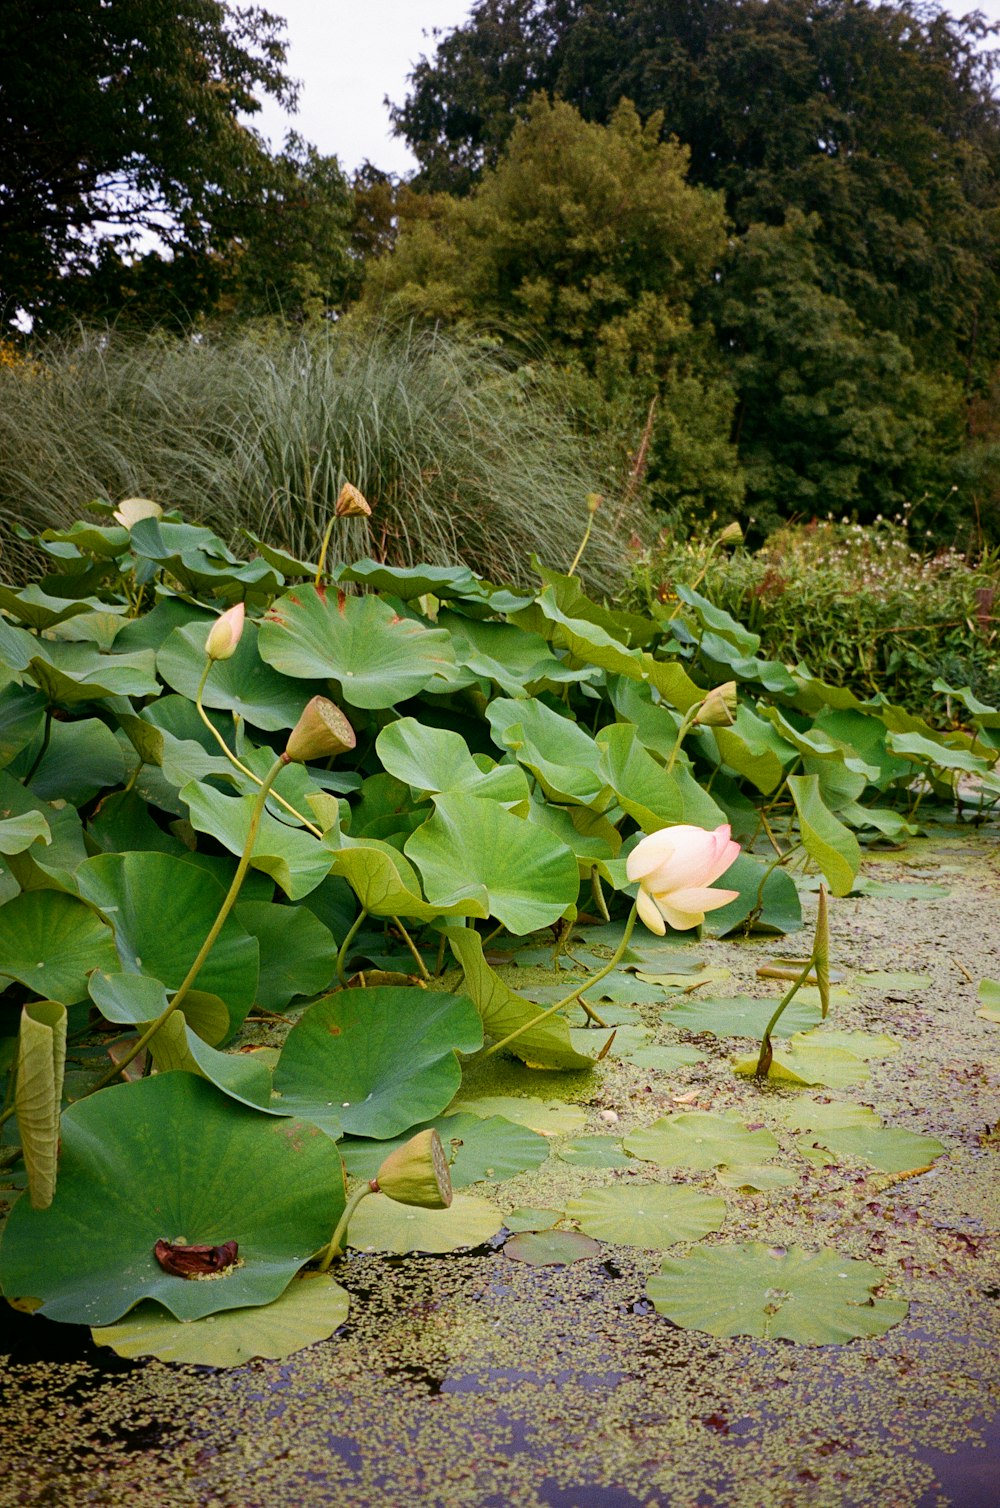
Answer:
[(805, 1059), (923, 750), (435, 759), (293, 859), (529, 876), (41, 1063), (380, 1224), (754, 750), (551, 1248), (241, 1076), (485, 1151), (512, 658), (740, 1016), (644, 790), (650, 1215), (755, 1177), (832, 846), (547, 1045), (82, 759), (594, 1152), (700, 1139), (71, 673), (376, 1061), (169, 1158), (525, 1218), (38, 610), (547, 1117), (44, 866), (50, 942), (664, 1058), (989, 996), (134, 1000), (311, 1308), (557, 751), (18, 833), (804, 1114), (409, 582), (818, 1298), (864, 1045), (386, 883), (883, 1147), (298, 954), (376, 657), (777, 909), (243, 684), (199, 559), (896, 981), (22, 715), (162, 909), (91, 539)]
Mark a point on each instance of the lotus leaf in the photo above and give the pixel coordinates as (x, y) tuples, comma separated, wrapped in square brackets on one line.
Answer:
[(593, 1152), (380, 1224), (166, 1158), (740, 1016), (551, 1248), (818, 1298), (650, 1215), (700, 1139), (435, 759), (524, 1218), (50, 942), (484, 1150)]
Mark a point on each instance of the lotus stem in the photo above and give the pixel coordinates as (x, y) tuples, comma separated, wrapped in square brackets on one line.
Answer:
[(764, 1058), (227, 905), (333, 1248), (574, 994), (687, 722), (342, 952), (418, 960)]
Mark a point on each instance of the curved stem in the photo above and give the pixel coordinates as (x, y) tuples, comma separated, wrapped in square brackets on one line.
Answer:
[(764, 1059), (583, 545), (333, 1247), (574, 994), (237, 764), (418, 960), (46, 735), (342, 952), (213, 932), (322, 554), (687, 722)]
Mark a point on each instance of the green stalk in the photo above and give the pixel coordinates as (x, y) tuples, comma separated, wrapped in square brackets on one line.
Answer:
[(418, 960), (687, 722), (333, 1248), (213, 932), (342, 953), (574, 994), (764, 1059)]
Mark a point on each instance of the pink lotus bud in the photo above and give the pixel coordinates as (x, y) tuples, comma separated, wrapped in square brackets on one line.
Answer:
[(131, 509), (321, 732), (675, 867), (224, 635)]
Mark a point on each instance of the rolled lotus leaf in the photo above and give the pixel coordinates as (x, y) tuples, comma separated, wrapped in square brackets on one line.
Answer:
[(417, 1173)]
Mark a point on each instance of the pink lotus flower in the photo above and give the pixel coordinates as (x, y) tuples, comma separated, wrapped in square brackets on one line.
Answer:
[(675, 867), (224, 635)]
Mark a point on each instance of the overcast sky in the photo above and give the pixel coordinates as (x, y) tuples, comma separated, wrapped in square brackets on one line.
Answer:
[(350, 54)]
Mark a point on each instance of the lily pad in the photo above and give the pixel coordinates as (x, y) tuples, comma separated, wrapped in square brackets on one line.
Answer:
[(989, 995), (169, 1158), (700, 1139), (594, 1152), (550, 1248), (903, 980), (548, 1117), (485, 1151), (884, 1147), (298, 954), (524, 1218), (50, 942), (311, 1308), (819, 1115), (243, 684), (380, 1224), (376, 1061), (806, 1059), (376, 657), (741, 1015), (665, 1058), (864, 1045), (818, 1298), (291, 858), (651, 1215), (757, 1178)]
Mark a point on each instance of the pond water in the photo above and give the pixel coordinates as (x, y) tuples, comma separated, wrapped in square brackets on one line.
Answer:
[(476, 1381)]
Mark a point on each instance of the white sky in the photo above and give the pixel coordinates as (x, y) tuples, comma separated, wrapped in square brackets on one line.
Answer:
[(350, 54)]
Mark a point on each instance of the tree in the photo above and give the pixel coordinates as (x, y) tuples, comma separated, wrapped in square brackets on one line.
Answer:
[(120, 122)]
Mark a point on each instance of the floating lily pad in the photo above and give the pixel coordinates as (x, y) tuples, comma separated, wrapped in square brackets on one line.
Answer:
[(50, 942), (989, 994), (485, 1151), (524, 1218), (808, 1060), (380, 1224), (817, 1298), (650, 1215), (740, 1016), (549, 1117), (311, 1308), (819, 1115), (884, 1147), (866, 1045), (903, 980), (168, 1158), (594, 1152), (665, 1058), (550, 1248), (757, 1177), (700, 1139)]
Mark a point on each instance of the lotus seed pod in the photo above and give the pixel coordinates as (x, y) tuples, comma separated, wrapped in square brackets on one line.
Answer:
[(351, 503), (320, 733), (132, 509), (718, 710), (417, 1173), (732, 534), (224, 635)]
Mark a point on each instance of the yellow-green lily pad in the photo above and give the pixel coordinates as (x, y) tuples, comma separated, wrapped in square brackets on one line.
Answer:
[(380, 1224), (549, 1117), (650, 1215), (700, 1139)]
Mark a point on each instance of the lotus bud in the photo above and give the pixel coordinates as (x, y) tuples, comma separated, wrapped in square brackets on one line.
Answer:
[(732, 534), (417, 1173), (320, 733), (224, 635), (351, 503), (594, 501), (718, 710), (132, 509)]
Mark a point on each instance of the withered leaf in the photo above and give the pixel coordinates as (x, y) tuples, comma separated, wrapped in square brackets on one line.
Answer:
[(195, 1261)]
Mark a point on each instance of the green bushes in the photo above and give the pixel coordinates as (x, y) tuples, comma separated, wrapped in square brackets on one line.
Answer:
[(260, 431), (858, 605)]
